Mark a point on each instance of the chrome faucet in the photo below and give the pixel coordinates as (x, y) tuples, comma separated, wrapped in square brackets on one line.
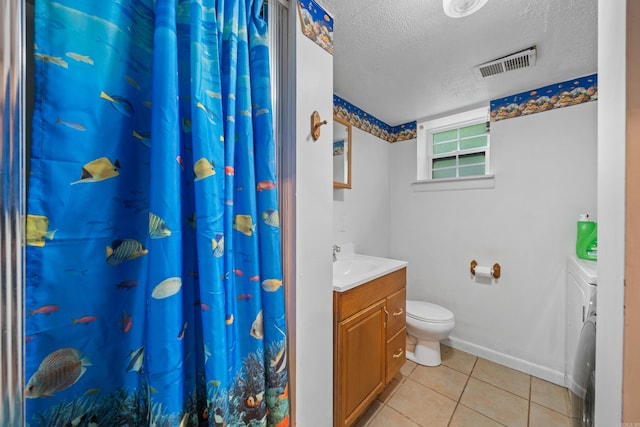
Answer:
[(336, 249)]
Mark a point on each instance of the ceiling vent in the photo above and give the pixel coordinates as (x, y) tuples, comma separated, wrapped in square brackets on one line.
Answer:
[(523, 59)]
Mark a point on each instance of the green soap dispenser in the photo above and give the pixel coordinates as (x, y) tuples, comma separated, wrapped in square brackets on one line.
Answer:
[(587, 242)]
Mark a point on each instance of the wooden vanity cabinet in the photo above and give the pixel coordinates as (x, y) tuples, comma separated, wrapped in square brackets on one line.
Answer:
[(369, 343)]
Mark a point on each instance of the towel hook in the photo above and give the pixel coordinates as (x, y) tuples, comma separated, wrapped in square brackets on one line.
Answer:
[(315, 125)]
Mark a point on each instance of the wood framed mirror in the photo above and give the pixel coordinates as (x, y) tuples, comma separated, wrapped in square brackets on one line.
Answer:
[(341, 153)]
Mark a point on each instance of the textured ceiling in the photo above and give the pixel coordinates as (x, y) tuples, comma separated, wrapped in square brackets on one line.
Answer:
[(403, 60)]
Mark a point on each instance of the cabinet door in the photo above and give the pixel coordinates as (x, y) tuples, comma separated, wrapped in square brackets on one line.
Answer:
[(360, 373)]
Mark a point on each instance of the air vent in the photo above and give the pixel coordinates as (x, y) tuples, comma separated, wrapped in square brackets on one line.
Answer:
[(523, 59)]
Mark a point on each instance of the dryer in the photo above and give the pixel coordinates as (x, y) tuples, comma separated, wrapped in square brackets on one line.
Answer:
[(583, 390), (580, 350), (582, 279)]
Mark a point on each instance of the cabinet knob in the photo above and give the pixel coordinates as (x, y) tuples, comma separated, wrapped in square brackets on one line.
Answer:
[(399, 312), (399, 353), (386, 316)]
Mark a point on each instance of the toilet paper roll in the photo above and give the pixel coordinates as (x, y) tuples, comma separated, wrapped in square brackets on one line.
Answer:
[(482, 271)]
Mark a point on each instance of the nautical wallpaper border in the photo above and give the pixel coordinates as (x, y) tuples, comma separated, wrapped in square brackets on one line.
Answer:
[(370, 124), (564, 94), (316, 24), (558, 95)]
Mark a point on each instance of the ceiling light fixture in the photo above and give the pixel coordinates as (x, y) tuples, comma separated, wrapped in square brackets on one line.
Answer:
[(460, 8)]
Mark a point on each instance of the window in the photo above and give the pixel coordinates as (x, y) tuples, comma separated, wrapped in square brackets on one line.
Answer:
[(459, 152), (454, 148)]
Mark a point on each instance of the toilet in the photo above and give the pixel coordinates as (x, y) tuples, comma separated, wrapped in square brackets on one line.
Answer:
[(429, 324)]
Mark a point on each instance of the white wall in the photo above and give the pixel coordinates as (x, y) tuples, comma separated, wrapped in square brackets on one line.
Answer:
[(361, 214), (545, 175), (612, 37), (313, 288)]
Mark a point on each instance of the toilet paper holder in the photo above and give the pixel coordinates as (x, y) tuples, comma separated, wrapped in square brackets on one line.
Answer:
[(495, 270)]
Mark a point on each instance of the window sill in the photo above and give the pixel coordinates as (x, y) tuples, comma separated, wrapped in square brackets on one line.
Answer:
[(446, 184)]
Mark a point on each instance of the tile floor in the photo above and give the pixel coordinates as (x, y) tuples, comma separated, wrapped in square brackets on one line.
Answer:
[(467, 391)]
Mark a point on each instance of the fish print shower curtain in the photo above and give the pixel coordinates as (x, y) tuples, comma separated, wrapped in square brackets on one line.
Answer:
[(154, 293)]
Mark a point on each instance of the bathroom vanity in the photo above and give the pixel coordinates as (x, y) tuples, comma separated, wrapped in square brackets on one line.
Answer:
[(369, 337)]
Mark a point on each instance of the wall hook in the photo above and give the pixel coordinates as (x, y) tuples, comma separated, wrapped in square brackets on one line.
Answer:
[(315, 125)]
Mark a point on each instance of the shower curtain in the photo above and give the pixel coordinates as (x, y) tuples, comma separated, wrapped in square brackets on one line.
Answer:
[(154, 293)]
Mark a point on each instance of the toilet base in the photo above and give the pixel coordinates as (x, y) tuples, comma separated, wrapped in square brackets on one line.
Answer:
[(426, 353)]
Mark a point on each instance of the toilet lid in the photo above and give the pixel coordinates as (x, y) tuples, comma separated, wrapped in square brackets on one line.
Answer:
[(428, 312)]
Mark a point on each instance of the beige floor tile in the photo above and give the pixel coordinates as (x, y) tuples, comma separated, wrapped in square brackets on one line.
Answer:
[(495, 403), (408, 367), (457, 359), (442, 379), (422, 405), (550, 395), (466, 417), (544, 417), (391, 388), (500, 376), (369, 414), (386, 417)]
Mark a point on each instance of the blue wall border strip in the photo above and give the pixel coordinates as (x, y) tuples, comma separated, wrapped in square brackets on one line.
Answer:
[(370, 124), (316, 24), (558, 95)]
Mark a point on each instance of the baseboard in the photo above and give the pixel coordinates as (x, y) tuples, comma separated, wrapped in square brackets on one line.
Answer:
[(538, 371)]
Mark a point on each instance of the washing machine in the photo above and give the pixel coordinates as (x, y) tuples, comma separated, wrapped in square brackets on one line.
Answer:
[(583, 391), (580, 350)]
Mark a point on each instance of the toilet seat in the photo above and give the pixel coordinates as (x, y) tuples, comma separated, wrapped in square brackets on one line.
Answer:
[(428, 312)]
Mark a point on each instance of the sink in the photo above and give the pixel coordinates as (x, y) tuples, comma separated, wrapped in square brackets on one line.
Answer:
[(352, 267), (351, 270)]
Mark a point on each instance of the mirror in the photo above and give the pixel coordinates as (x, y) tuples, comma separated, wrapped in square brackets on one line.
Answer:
[(341, 153)]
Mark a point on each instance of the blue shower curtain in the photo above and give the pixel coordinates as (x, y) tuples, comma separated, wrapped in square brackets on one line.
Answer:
[(154, 291)]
